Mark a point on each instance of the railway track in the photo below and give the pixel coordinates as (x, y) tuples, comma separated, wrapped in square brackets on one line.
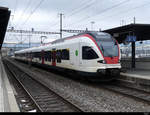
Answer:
[(129, 91), (43, 99), (134, 93), (24, 102)]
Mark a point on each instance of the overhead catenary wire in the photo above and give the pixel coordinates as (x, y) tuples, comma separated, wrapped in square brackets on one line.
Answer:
[(84, 5), (74, 9), (122, 12), (101, 12), (126, 11), (89, 17), (88, 6), (15, 7), (24, 11), (32, 12)]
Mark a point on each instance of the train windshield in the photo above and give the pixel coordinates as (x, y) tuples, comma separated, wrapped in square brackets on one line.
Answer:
[(107, 44)]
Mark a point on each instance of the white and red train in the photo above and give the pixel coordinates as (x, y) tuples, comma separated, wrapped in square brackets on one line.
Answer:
[(93, 54)]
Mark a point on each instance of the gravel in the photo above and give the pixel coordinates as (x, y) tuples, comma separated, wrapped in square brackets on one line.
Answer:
[(86, 96)]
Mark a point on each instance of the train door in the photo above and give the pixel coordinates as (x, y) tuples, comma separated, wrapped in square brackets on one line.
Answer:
[(80, 54), (74, 55), (77, 54), (54, 58), (71, 57)]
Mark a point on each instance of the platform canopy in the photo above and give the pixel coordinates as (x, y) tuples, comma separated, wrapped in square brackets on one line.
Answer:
[(141, 31), (4, 18)]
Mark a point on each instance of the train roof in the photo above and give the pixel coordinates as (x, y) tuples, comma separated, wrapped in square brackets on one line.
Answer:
[(88, 32)]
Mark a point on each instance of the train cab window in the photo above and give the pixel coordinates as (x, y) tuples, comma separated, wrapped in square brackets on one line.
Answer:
[(88, 53), (65, 54), (58, 55)]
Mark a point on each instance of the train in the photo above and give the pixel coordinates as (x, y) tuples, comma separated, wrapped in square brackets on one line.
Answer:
[(95, 55)]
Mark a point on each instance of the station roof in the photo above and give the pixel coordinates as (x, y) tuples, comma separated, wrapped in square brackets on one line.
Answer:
[(141, 31), (4, 18)]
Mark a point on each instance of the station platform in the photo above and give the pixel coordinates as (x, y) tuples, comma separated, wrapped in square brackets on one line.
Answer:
[(7, 99), (138, 77), (141, 74)]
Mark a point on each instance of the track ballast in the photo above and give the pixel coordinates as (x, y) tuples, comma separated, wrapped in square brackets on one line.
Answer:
[(45, 99)]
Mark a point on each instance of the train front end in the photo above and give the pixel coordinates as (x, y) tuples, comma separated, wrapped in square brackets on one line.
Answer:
[(110, 51)]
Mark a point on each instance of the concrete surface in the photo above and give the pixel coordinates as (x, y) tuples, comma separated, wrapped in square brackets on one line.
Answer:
[(7, 99), (141, 64), (141, 74), (1, 92)]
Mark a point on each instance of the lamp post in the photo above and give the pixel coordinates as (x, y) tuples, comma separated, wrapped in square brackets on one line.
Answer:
[(92, 23)]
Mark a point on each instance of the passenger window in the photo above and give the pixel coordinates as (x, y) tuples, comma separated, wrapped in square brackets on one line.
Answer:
[(88, 53), (65, 54), (46, 56), (50, 56)]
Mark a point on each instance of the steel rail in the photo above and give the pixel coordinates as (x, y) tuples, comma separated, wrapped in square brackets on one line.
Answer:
[(128, 91), (23, 75), (31, 97)]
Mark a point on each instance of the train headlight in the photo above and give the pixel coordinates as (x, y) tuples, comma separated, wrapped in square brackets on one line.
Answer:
[(119, 61), (102, 61)]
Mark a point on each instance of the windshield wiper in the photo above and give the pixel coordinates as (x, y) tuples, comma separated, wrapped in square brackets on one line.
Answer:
[(103, 49)]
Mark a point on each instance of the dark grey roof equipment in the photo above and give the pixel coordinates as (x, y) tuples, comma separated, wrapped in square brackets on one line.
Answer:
[(4, 18)]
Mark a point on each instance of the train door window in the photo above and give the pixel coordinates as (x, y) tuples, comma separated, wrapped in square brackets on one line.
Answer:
[(65, 54), (58, 54), (88, 53), (54, 56)]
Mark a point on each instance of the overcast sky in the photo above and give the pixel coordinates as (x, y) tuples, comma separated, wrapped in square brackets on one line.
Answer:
[(78, 14)]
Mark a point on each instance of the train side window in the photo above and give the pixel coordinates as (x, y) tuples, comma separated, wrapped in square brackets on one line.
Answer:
[(58, 55), (39, 55), (65, 54), (45, 56), (49, 56), (31, 55), (88, 53), (26, 55), (35, 54)]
